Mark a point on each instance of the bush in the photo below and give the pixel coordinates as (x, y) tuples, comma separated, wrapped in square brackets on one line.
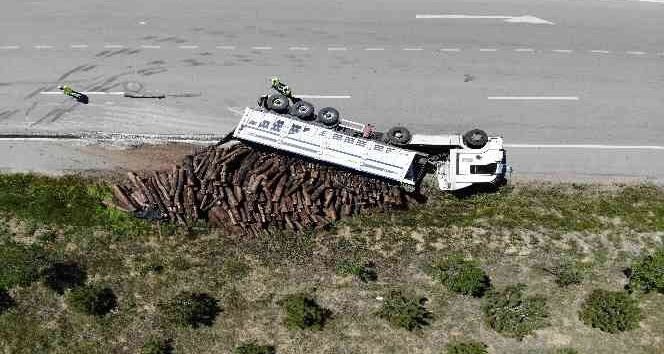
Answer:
[(157, 346), (19, 264), (460, 275), (303, 312), (6, 301), (403, 312), (647, 273), (365, 272), (467, 348), (569, 273), (514, 314), (63, 276), (253, 348), (610, 311), (191, 309), (92, 300)]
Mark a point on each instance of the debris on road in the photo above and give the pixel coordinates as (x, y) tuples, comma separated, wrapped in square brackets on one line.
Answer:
[(249, 189)]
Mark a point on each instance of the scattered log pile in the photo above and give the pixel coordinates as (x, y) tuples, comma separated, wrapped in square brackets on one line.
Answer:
[(249, 189)]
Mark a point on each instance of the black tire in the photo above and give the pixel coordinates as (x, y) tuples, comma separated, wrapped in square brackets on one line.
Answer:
[(475, 138), (328, 116), (277, 102), (398, 136), (303, 110)]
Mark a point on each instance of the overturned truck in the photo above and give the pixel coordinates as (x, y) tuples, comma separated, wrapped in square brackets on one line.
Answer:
[(284, 122)]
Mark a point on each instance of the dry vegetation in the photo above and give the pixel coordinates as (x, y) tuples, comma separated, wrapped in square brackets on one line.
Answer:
[(528, 233)]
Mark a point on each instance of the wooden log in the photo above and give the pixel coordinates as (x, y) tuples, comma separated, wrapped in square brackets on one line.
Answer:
[(125, 200)]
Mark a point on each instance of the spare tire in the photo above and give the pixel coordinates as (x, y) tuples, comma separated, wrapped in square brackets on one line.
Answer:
[(475, 139), (303, 110), (398, 136), (277, 102), (328, 116)]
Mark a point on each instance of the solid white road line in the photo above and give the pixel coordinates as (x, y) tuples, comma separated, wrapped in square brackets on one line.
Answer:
[(324, 96), (85, 93), (600, 51), (562, 50), (586, 146), (78, 46), (188, 47), (373, 49), (113, 46), (9, 47), (488, 50), (261, 48), (147, 46), (535, 98), (298, 48), (226, 47)]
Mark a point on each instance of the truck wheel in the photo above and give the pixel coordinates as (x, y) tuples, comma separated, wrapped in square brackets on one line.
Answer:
[(328, 116), (303, 110), (398, 136), (475, 139), (277, 102)]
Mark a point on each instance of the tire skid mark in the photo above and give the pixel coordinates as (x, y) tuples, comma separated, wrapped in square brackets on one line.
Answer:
[(8, 113), (32, 106), (68, 73), (114, 53)]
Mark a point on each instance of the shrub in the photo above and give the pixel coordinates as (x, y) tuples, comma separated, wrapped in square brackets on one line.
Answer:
[(404, 312), (6, 301), (514, 314), (467, 348), (157, 346), (610, 311), (64, 275), (460, 275), (569, 273), (302, 312), (92, 300), (647, 273), (365, 272), (191, 309), (253, 348), (19, 264)]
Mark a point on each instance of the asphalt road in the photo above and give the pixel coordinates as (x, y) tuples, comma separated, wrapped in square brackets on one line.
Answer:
[(601, 64)]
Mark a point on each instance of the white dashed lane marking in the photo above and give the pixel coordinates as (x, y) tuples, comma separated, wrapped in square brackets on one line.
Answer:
[(261, 48), (118, 93), (188, 47), (113, 46), (324, 96), (78, 46), (43, 47), (562, 51), (225, 47), (450, 50), (636, 53), (528, 50), (534, 98), (412, 49), (600, 51), (333, 49), (10, 47), (373, 49), (488, 50), (147, 46), (298, 48)]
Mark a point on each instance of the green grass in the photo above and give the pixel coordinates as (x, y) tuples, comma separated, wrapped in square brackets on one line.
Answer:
[(553, 206)]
